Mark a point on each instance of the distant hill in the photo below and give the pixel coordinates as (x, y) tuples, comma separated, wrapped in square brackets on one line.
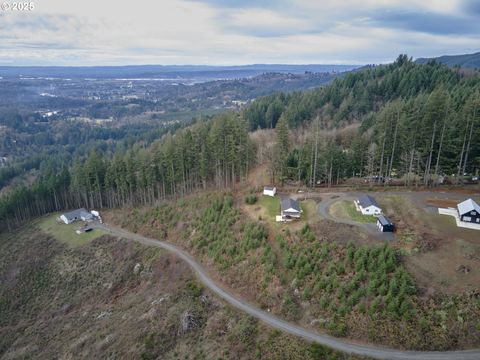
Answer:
[(170, 71), (466, 60)]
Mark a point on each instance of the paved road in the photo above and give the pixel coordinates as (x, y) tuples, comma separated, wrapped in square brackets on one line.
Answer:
[(309, 335)]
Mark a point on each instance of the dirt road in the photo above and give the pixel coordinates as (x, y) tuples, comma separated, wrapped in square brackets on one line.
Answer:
[(343, 345)]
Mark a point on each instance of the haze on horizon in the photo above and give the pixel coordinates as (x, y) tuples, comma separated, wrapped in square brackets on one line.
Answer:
[(221, 32)]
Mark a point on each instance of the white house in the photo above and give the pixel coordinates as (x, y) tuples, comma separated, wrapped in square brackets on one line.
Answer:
[(367, 205), (269, 190), (290, 209), (79, 214)]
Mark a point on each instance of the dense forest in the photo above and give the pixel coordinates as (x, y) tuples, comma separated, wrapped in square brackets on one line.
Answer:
[(404, 121), (216, 152)]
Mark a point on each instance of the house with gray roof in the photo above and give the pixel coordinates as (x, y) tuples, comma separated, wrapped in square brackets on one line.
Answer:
[(367, 205), (290, 209), (75, 215)]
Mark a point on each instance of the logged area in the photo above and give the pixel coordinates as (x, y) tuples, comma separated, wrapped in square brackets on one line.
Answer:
[(114, 299), (303, 274)]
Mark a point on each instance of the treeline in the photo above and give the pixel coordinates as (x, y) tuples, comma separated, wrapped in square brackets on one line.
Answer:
[(26, 135), (404, 122), (356, 95), (216, 152), (9, 172)]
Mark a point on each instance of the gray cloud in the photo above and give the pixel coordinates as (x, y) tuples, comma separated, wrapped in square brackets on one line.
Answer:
[(294, 27), (426, 22), (472, 7), (235, 32), (235, 4)]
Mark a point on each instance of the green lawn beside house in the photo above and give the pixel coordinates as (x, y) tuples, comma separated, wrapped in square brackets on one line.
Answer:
[(67, 233), (271, 205), (347, 209)]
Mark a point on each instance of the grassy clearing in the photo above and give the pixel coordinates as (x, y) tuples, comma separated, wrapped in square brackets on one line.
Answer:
[(347, 210), (66, 233), (271, 206), (267, 208), (309, 208)]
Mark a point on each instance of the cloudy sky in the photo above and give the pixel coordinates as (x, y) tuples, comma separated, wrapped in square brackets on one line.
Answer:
[(221, 32)]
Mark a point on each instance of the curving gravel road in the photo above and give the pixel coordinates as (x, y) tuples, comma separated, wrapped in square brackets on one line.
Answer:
[(376, 352)]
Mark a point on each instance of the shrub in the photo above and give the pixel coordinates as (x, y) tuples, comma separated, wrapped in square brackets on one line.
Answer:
[(192, 289), (307, 293), (362, 308), (245, 331), (251, 199), (338, 329), (374, 306)]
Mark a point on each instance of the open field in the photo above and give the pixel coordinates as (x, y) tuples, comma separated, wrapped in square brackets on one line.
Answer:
[(453, 264), (346, 209), (66, 233)]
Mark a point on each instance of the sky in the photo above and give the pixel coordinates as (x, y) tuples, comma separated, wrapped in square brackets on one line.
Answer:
[(221, 32)]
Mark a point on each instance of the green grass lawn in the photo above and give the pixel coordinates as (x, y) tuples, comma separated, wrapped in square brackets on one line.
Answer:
[(271, 208), (271, 205), (66, 233), (309, 209), (347, 209)]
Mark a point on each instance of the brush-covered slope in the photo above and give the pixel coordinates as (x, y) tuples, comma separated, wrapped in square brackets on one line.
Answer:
[(109, 298)]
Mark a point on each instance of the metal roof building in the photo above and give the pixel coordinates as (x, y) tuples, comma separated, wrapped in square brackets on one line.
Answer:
[(384, 224)]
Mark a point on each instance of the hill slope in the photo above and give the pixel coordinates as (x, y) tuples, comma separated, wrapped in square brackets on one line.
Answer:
[(94, 301), (464, 60)]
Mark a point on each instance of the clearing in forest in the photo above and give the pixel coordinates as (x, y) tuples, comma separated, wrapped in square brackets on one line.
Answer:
[(66, 233)]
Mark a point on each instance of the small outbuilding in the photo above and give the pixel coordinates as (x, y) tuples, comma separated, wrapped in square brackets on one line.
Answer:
[(367, 205), (79, 214), (469, 211), (269, 190), (384, 224), (84, 229), (290, 209)]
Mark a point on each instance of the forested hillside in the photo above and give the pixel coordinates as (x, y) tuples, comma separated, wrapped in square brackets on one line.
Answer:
[(465, 60), (216, 152), (407, 121), (403, 121)]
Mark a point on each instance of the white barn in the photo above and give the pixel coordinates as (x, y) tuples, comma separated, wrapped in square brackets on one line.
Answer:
[(367, 205), (269, 190)]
